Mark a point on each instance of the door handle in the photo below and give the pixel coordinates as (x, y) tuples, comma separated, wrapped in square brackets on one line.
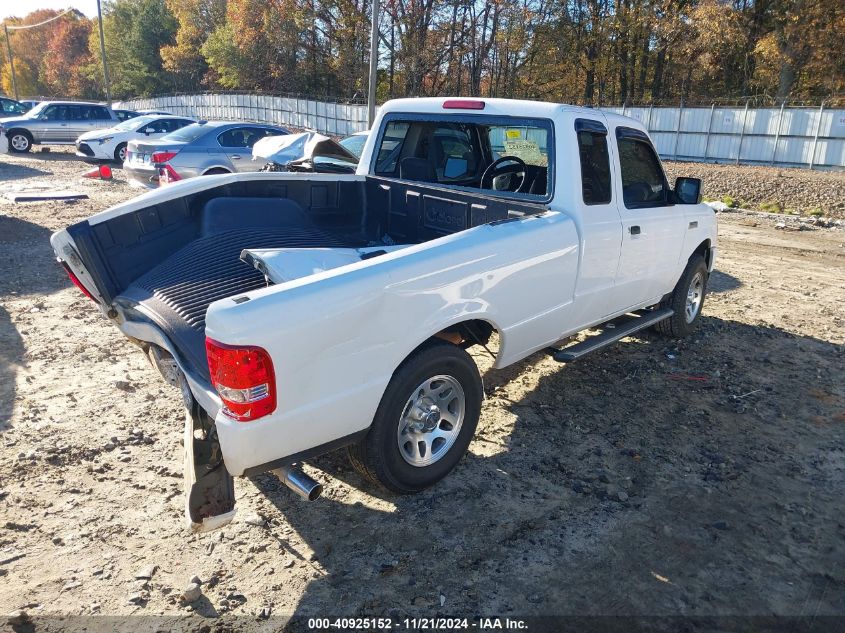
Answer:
[(235, 157), (635, 230)]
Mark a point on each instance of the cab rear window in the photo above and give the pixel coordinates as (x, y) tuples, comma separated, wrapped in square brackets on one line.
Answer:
[(502, 155)]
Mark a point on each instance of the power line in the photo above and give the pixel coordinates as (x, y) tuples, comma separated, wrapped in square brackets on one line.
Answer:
[(7, 28), (32, 26)]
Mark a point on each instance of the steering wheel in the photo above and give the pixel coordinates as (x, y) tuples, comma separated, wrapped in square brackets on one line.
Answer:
[(496, 169)]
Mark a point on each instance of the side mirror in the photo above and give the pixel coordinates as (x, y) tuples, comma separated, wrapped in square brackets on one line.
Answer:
[(688, 190)]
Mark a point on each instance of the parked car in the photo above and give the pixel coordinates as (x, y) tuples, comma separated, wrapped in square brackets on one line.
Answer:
[(300, 314), (110, 144), (162, 112), (29, 104), (55, 123), (355, 142), (306, 152), (11, 108), (125, 115), (204, 148)]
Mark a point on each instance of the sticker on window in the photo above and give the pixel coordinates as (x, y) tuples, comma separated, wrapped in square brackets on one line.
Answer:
[(513, 133), (528, 151)]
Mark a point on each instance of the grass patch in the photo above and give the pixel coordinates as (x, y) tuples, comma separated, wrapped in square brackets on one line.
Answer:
[(730, 201), (817, 212), (772, 207)]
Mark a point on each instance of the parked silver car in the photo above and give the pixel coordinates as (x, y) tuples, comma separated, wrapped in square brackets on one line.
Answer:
[(207, 147), (55, 123)]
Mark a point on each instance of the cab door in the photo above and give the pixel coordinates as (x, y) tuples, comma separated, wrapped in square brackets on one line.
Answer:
[(236, 144), (653, 228), (51, 126), (600, 226)]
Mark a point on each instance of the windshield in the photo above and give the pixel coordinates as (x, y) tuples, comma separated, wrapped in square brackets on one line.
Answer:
[(187, 134), (135, 124), (38, 109), (354, 143)]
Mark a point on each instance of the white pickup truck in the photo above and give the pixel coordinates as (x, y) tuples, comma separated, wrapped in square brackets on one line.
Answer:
[(304, 313)]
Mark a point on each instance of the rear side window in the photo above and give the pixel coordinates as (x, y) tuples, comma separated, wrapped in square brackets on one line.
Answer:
[(178, 124), (595, 166), (643, 182), (244, 136)]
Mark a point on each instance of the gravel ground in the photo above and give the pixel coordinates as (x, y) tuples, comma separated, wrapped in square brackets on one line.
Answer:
[(702, 477), (799, 191)]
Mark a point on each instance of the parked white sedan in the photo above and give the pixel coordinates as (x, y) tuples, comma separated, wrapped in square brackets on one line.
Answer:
[(102, 145)]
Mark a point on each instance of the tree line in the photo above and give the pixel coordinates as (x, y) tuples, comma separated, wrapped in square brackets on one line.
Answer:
[(576, 51)]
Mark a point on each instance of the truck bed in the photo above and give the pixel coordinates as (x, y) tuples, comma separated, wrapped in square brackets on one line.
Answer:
[(176, 293), (167, 259)]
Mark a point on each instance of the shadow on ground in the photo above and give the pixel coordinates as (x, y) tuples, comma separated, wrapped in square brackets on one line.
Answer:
[(654, 478), (722, 282), (27, 268), (9, 173)]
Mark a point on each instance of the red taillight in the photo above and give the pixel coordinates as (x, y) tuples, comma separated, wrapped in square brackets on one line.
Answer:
[(463, 104), (243, 376), (78, 283), (162, 157), (167, 174)]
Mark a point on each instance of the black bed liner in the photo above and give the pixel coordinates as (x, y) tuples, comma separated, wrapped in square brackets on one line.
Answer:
[(177, 292)]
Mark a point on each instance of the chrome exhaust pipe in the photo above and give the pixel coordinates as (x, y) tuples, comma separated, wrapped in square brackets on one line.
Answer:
[(299, 482)]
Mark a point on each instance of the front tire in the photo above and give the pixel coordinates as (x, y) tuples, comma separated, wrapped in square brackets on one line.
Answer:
[(425, 421), (120, 153), (20, 141), (687, 300)]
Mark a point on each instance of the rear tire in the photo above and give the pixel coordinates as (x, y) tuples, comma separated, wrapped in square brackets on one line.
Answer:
[(687, 300), (425, 421), (20, 141)]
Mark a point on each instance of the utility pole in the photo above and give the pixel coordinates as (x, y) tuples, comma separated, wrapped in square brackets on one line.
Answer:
[(11, 61), (103, 53), (371, 95)]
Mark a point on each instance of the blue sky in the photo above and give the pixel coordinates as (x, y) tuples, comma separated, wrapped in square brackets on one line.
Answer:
[(20, 9)]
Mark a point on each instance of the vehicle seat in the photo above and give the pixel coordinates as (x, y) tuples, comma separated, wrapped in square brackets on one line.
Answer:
[(636, 192), (418, 169), (540, 184)]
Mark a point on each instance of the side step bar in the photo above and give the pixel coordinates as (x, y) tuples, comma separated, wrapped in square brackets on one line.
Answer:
[(612, 331)]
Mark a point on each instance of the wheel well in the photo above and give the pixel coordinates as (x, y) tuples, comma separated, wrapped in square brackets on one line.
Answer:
[(216, 170), (464, 334), (21, 130), (704, 250)]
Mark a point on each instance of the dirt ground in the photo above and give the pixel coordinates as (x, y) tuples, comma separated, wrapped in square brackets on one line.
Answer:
[(695, 478)]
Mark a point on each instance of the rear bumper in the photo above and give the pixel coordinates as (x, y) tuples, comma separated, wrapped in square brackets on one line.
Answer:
[(144, 176)]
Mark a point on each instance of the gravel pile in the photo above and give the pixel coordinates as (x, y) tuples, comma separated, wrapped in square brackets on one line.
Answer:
[(774, 189)]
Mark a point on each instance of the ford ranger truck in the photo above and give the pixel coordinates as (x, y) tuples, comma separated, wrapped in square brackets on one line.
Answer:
[(302, 313)]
